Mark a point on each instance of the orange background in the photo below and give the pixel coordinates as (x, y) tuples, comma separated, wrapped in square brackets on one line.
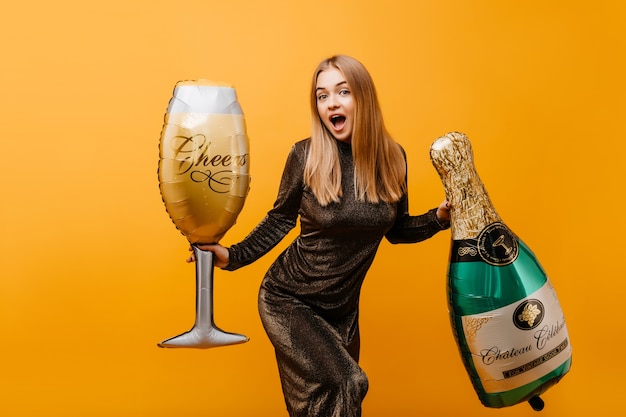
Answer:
[(92, 269)]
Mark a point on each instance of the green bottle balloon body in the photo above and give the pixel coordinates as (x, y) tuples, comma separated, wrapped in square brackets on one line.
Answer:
[(506, 318)]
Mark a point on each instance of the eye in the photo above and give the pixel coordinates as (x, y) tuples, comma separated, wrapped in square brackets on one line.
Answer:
[(344, 92), (322, 96)]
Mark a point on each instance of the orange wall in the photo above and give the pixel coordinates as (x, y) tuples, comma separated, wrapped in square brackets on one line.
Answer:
[(92, 269)]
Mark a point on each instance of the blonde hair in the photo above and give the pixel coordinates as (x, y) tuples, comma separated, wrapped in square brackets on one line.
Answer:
[(380, 167)]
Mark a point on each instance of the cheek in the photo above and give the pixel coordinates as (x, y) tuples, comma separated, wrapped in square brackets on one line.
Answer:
[(349, 106), (321, 114)]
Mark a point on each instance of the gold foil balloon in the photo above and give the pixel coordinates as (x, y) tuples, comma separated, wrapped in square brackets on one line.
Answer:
[(204, 180)]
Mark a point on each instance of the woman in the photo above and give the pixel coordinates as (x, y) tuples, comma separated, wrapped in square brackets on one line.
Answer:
[(348, 185)]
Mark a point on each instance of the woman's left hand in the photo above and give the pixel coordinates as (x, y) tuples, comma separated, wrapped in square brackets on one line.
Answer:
[(443, 212)]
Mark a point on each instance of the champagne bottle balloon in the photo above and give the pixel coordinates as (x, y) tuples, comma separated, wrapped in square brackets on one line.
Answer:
[(204, 180), (504, 312)]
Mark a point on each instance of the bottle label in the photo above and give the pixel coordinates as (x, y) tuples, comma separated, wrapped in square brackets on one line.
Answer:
[(519, 343), (495, 245)]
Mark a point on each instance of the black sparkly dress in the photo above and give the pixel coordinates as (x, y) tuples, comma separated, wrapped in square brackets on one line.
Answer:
[(309, 298)]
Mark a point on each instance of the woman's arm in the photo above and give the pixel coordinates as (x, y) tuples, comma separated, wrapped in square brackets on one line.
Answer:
[(279, 220), (413, 229)]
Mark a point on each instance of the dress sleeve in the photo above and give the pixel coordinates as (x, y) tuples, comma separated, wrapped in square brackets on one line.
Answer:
[(413, 229), (279, 220)]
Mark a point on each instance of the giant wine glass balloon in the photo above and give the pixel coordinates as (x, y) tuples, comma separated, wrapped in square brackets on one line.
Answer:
[(204, 180), (504, 312)]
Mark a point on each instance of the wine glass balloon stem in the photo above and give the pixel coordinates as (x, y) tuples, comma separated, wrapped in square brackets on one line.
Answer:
[(204, 334)]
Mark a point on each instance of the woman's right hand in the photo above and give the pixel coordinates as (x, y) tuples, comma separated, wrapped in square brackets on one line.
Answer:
[(220, 254)]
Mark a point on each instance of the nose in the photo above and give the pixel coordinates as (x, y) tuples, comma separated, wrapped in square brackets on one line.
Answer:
[(333, 103)]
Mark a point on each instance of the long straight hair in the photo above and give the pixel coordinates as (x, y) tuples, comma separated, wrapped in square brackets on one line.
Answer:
[(380, 167)]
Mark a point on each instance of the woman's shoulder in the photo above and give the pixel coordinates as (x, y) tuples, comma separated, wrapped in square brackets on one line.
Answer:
[(302, 144), (301, 147), (401, 149)]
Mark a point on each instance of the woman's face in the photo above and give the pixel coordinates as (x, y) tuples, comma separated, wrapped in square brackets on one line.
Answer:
[(335, 103)]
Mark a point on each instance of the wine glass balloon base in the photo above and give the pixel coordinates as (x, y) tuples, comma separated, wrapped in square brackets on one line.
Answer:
[(204, 339), (204, 334)]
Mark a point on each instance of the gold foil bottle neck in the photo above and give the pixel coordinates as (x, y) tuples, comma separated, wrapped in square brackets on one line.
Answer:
[(472, 209)]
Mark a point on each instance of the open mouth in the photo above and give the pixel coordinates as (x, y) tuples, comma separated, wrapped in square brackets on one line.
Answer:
[(338, 121)]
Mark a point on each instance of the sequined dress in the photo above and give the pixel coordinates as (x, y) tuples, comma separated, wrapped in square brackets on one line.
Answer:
[(309, 298)]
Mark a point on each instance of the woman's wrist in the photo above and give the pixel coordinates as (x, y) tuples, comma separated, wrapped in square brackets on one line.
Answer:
[(443, 224)]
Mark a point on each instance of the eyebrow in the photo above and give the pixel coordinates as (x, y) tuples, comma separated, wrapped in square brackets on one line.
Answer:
[(336, 85)]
